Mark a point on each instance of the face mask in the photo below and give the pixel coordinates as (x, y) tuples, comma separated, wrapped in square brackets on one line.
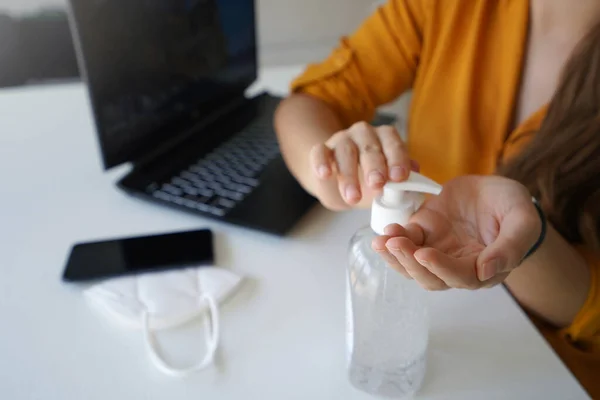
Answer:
[(165, 300)]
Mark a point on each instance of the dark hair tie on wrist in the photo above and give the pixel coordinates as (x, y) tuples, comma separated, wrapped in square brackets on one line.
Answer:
[(542, 236)]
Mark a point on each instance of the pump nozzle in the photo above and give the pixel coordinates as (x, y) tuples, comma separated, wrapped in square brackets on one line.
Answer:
[(415, 183), (400, 200)]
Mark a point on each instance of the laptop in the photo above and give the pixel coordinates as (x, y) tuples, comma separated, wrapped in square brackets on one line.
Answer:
[(167, 82)]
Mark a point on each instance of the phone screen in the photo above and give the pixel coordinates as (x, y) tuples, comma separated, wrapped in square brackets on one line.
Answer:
[(133, 255)]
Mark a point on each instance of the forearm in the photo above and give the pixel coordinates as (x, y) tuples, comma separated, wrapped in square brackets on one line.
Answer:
[(301, 123), (553, 283)]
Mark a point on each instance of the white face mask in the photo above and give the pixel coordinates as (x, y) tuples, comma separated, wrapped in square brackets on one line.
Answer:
[(164, 300)]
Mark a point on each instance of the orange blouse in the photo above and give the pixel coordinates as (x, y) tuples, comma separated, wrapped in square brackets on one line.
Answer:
[(463, 59)]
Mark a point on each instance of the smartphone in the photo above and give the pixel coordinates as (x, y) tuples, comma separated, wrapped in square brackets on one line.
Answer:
[(134, 255)]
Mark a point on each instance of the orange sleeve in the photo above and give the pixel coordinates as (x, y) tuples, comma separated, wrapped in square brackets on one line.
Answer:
[(584, 332), (373, 66)]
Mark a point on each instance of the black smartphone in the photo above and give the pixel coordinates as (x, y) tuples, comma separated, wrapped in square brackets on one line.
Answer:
[(133, 255)]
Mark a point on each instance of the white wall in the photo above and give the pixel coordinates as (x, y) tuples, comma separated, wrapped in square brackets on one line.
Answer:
[(19, 6), (290, 31), (294, 31)]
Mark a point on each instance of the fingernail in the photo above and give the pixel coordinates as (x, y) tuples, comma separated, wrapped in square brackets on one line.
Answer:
[(398, 173), (490, 269), (352, 193), (392, 245), (375, 178), (377, 249), (423, 262), (323, 171)]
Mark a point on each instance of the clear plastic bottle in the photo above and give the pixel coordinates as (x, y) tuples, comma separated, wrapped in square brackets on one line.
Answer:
[(387, 320)]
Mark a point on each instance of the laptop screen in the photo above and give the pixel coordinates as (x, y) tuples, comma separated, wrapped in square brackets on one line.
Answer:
[(154, 67)]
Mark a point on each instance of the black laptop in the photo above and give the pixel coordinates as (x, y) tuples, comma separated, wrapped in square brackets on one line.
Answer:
[(167, 82)]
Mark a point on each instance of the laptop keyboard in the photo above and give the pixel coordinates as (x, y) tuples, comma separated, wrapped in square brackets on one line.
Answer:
[(220, 180)]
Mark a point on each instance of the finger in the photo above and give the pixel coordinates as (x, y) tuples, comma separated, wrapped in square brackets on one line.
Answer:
[(394, 230), (346, 159), (395, 152), (519, 230), (321, 160), (496, 280), (412, 231), (455, 272), (415, 233), (371, 157), (403, 250), (394, 264), (378, 245)]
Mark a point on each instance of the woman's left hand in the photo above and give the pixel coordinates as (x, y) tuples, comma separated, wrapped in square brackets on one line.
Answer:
[(470, 236)]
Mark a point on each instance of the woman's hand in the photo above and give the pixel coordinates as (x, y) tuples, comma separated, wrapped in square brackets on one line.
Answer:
[(470, 236), (361, 159)]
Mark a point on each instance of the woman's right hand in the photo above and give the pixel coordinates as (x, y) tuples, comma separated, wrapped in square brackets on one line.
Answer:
[(358, 161)]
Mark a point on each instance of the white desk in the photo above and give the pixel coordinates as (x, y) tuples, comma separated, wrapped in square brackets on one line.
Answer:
[(283, 334)]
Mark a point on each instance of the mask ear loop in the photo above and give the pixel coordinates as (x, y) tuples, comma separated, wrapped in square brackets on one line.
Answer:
[(211, 330)]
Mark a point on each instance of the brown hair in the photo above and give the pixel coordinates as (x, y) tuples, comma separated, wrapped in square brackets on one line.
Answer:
[(561, 164)]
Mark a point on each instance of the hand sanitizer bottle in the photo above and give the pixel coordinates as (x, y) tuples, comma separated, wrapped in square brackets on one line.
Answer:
[(386, 314)]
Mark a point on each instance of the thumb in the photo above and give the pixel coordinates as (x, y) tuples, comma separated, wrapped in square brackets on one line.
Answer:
[(519, 230)]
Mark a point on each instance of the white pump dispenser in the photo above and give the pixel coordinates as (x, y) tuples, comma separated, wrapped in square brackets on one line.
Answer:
[(400, 200), (386, 314)]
